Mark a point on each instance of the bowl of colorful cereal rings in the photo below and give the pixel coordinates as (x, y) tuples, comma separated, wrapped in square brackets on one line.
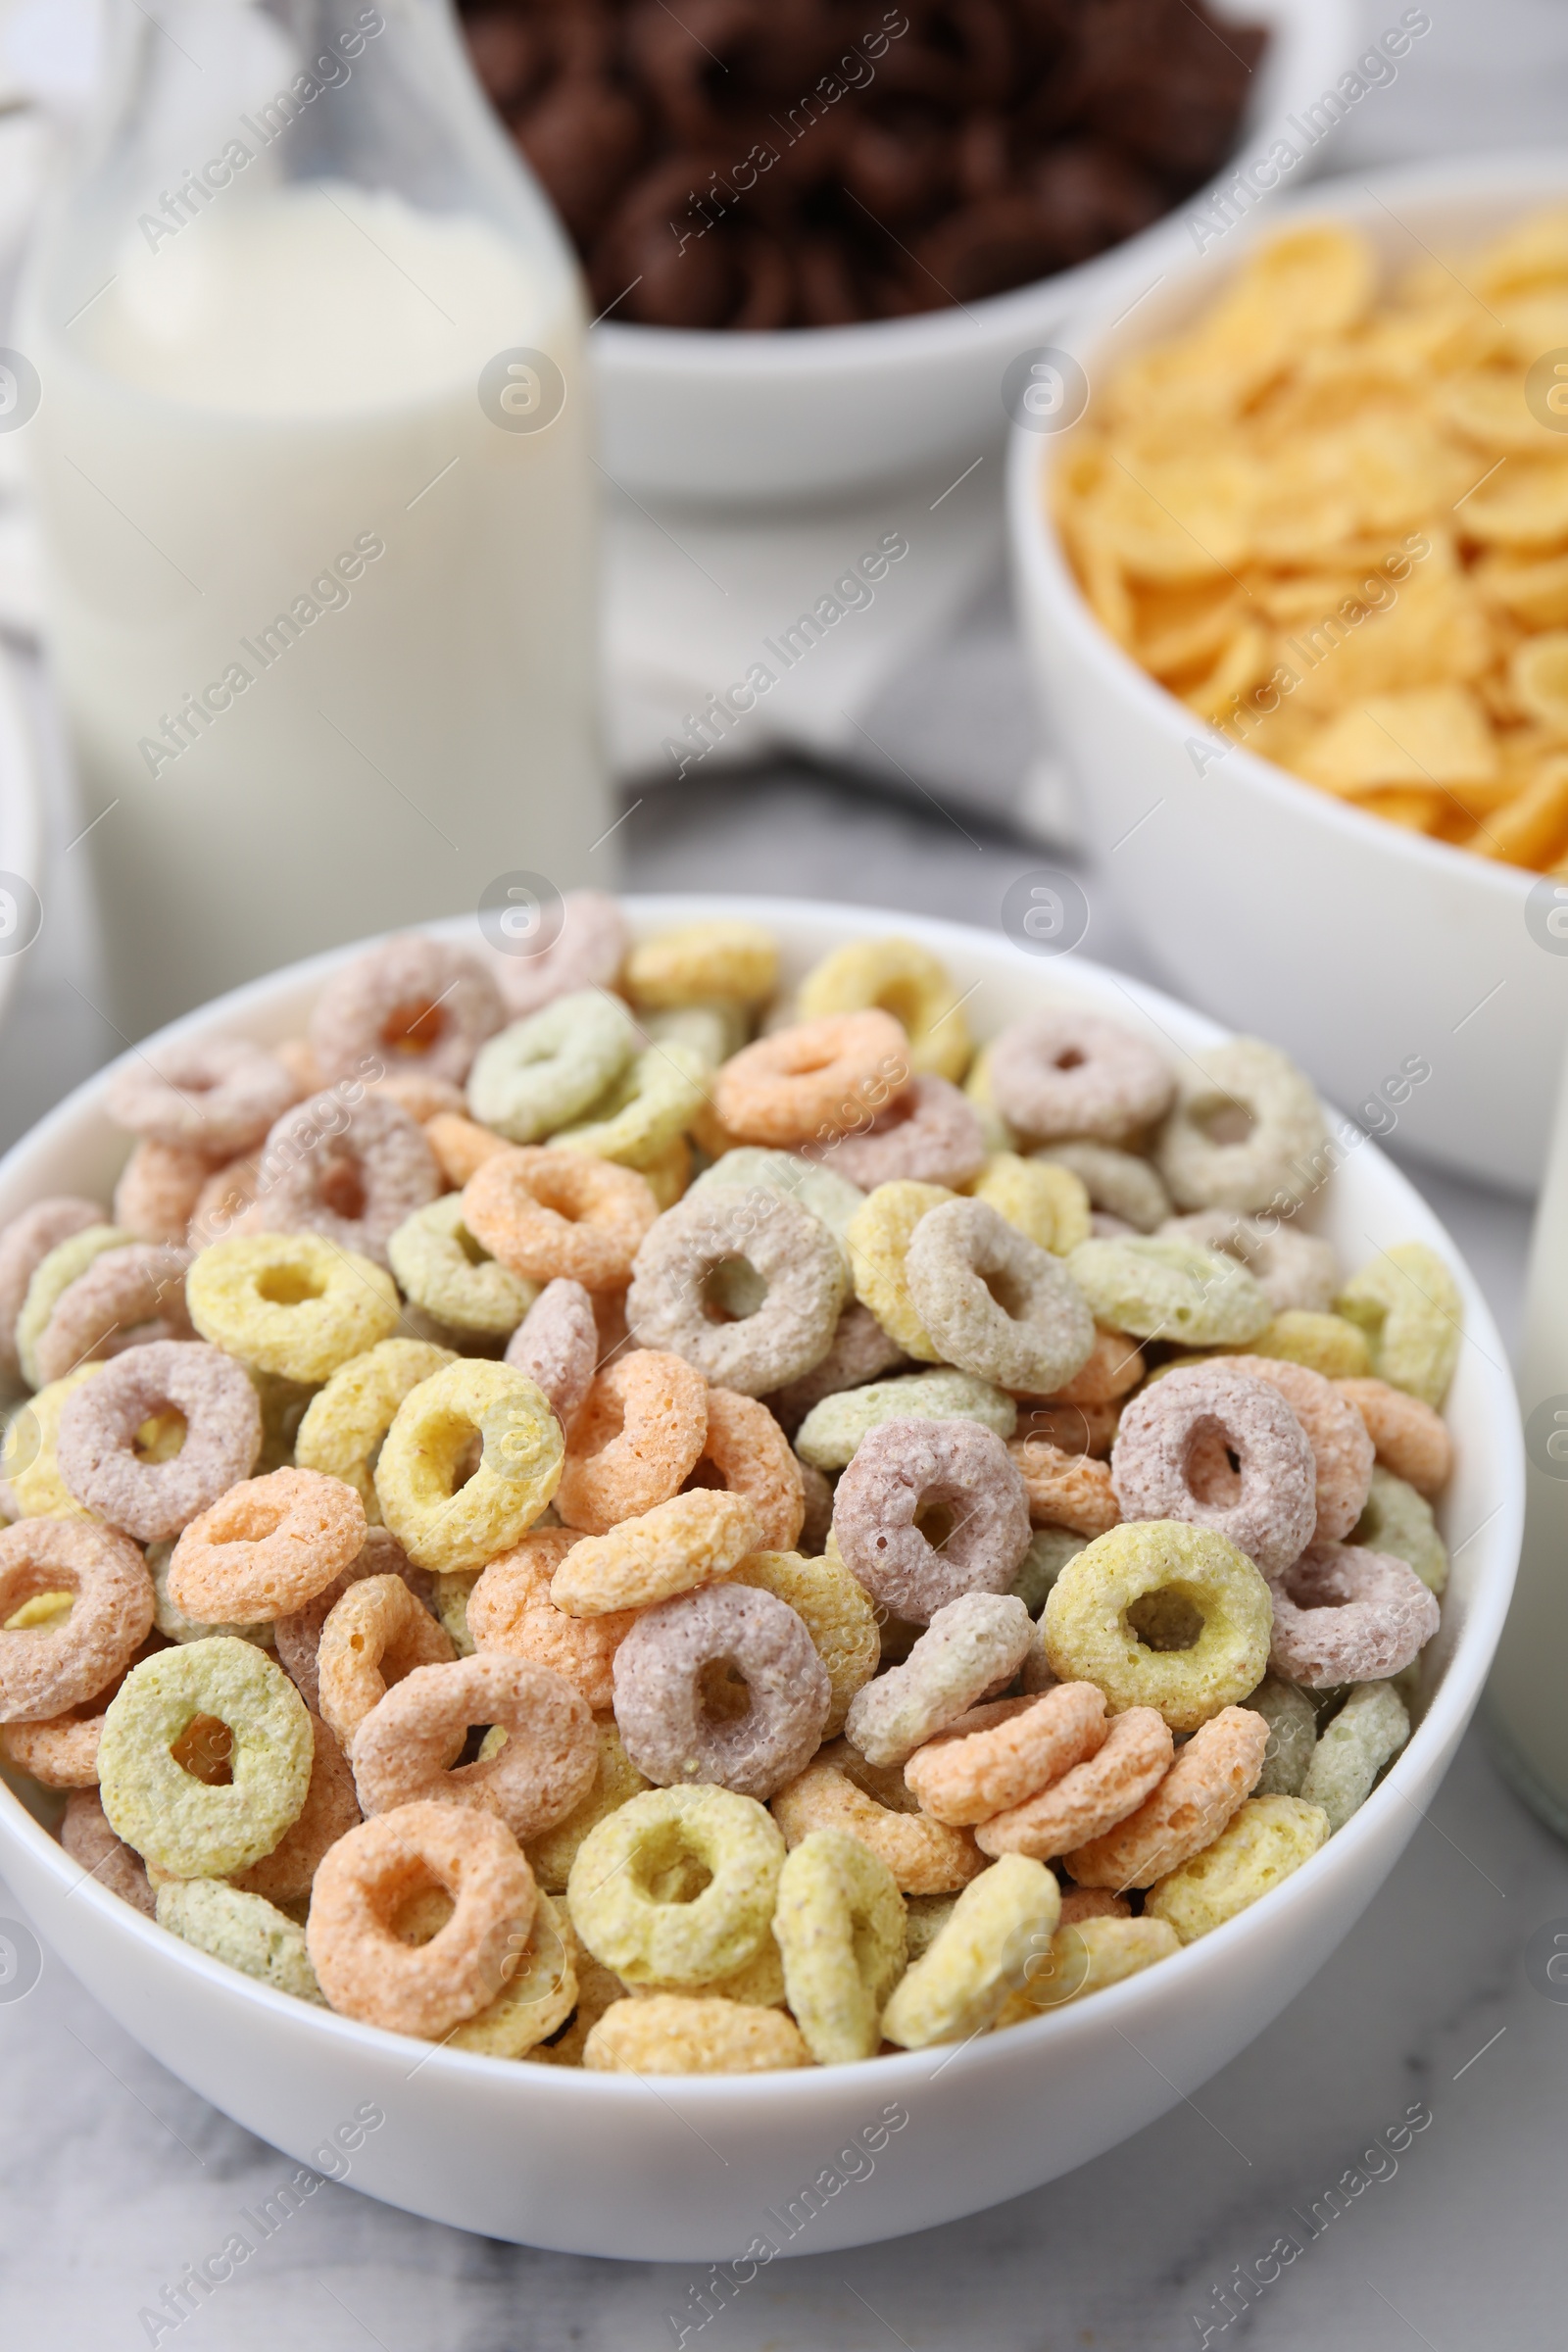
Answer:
[(1295, 590), (731, 1589)]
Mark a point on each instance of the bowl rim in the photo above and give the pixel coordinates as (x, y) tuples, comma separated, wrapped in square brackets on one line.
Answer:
[(1439, 1730), (1036, 547), (1303, 32)]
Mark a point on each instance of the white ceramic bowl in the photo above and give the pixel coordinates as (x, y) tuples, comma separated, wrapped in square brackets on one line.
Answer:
[(1346, 940), (695, 2170), (743, 419)]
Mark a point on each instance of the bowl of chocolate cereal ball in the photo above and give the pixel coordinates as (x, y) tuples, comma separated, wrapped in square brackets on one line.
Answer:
[(732, 1585), (815, 235), (1292, 585)]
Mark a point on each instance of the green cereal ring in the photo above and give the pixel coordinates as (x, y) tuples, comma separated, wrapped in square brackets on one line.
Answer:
[(831, 1432), (1292, 1736), (1397, 1519), (1408, 1304), (677, 1886), (1258, 1847), (185, 1826), (1161, 1287), (1041, 1198), (645, 1111), (171, 1619), (537, 1997), (1280, 1160), (878, 1235), (292, 1303), (1118, 1182), (840, 1927), (345, 1422), (924, 1918), (1002, 1922), (994, 1128), (1105, 1601), (243, 1930), (541, 1072), (444, 1519), (552, 1854), (446, 1271), (52, 1277), (1050, 1550), (714, 1029), (1367, 1733), (1324, 1343), (737, 1288), (452, 1608)]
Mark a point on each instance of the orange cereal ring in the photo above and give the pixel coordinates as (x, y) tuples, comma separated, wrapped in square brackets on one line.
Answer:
[(815, 1081), (1341, 1445), (375, 1874), (1092, 1902), (1208, 1782), (925, 1856), (60, 1753), (987, 1761), (159, 1188), (226, 1204), (544, 1213), (1116, 1366), (510, 1610), (298, 1635), (331, 1810), (374, 1636), (266, 1547), (749, 1455), (460, 1144), (1407, 1435), (423, 1094), (1090, 1799), (1065, 1490), (686, 1541), (406, 1750), (638, 1435), (88, 1840), (44, 1669)]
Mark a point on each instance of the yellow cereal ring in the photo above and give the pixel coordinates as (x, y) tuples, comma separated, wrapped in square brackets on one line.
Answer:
[(538, 1996), (977, 1086), (761, 1982), (293, 1303), (1085, 1958), (1408, 1304), (443, 1519), (840, 1927), (674, 2035), (52, 1277), (833, 1606), (1047, 1202), (189, 1828), (646, 1111), (677, 1886), (901, 977), (452, 1276), (722, 958), (1325, 1344), (689, 1541), (1260, 1844), (999, 1924), (1092, 1619), (345, 1422), (244, 1931), (878, 1235), (551, 1855), (28, 1462)]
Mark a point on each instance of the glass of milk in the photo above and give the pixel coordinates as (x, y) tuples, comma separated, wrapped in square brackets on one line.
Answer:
[(312, 453)]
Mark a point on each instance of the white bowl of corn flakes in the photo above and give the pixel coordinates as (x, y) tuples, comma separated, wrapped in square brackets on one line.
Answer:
[(1296, 589), (632, 1980)]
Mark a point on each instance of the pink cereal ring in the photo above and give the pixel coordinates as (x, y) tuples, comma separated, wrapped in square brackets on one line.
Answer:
[(974, 1769), (96, 1445), (908, 1470), (746, 1452), (406, 1750), (667, 1728), (350, 1173), (1342, 1449), (24, 1243), (331, 1810), (510, 1610), (1069, 1072), (125, 1298), (817, 1080), (412, 1005), (587, 951), (217, 1094), (47, 1669), (1344, 1614), (266, 1547), (374, 1872), (1137, 1752), (89, 1840), (545, 1213), (1171, 1460), (930, 1132), (557, 1343), (639, 1434)]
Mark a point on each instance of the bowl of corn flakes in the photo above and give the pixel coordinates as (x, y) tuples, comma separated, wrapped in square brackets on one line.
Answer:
[(1295, 581), (661, 2104)]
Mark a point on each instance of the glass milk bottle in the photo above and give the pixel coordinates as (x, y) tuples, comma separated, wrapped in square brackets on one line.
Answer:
[(311, 456), (1526, 1697)]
